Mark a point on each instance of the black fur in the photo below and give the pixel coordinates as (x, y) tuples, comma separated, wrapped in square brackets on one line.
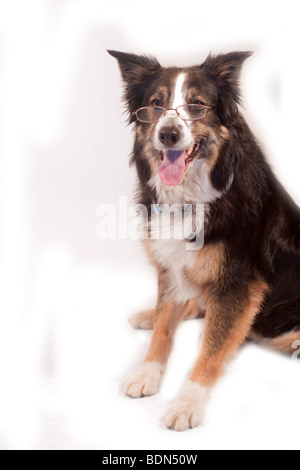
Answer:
[(137, 73), (256, 218)]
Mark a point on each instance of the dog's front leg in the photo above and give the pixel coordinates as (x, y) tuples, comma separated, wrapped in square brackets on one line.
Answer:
[(228, 322), (146, 379)]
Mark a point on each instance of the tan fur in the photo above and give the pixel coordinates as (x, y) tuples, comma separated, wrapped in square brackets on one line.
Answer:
[(224, 133), (194, 95), (151, 257), (212, 160), (284, 343), (154, 156), (167, 317), (192, 311), (210, 364), (201, 129), (209, 265), (220, 140), (145, 319), (161, 92)]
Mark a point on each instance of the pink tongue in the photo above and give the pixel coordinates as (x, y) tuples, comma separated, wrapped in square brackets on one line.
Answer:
[(172, 168)]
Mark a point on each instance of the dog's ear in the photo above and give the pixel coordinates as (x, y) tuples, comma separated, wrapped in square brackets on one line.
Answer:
[(225, 71), (136, 72), (135, 67)]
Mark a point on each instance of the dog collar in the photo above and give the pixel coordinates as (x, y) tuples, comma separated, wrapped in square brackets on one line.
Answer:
[(157, 209)]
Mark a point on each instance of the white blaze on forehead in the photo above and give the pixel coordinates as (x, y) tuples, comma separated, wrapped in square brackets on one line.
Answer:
[(178, 91), (171, 119)]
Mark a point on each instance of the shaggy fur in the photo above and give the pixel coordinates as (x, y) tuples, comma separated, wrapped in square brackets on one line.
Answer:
[(247, 275)]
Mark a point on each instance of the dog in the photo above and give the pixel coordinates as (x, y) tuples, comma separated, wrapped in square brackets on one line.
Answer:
[(193, 147)]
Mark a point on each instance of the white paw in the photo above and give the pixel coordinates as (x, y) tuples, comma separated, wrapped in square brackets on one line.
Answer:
[(187, 411), (143, 320), (144, 381)]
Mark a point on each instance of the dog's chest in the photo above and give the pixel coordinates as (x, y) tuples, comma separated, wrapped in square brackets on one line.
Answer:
[(175, 257)]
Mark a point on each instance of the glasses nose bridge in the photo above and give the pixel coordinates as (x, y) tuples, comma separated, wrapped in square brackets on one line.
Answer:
[(171, 109)]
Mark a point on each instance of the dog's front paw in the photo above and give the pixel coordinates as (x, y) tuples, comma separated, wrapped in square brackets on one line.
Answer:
[(187, 411), (143, 320), (144, 381)]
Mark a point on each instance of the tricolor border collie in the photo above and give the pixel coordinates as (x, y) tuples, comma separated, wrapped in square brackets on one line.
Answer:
[(192, 146)]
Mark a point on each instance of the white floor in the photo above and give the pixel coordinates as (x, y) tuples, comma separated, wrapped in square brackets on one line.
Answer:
[(71, 398), (65, 343)]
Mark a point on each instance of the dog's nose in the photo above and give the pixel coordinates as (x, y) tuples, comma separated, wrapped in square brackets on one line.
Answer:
[(169, 136)]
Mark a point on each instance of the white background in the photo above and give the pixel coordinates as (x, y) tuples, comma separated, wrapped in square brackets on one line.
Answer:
[(65, 344)]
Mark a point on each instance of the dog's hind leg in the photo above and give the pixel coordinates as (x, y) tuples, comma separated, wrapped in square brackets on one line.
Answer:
[(286, 343), (278, 325), (145, 319)]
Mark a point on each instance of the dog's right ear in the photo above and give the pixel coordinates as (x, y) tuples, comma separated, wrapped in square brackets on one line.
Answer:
[(136, 71), (135, 67)]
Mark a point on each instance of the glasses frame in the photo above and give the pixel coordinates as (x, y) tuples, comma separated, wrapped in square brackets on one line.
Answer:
[(165, 110)]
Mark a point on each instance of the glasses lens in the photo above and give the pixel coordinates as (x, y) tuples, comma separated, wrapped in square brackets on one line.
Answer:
[(191, 112), (149, 114)]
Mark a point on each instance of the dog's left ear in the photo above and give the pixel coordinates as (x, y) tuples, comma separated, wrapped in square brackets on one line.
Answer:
[(225, 71), (136, 71)]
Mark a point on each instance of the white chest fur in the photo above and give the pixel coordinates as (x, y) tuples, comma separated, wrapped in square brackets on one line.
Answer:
[(175, 258)]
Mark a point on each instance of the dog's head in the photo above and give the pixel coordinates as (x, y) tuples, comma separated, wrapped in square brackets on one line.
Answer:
[(183, 118)]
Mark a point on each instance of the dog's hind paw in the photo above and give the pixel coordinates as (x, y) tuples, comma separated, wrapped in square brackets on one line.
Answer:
[(144, 381), (143, 320)]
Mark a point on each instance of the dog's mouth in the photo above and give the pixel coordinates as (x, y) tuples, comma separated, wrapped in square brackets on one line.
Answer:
[(175, 163)]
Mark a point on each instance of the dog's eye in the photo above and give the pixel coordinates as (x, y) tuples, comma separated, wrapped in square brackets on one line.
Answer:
[(200, 103), (156, 102)]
